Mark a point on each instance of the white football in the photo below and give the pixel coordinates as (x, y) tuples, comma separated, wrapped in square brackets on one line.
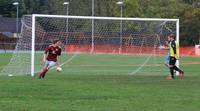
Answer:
[(10, 75), (59, 69)]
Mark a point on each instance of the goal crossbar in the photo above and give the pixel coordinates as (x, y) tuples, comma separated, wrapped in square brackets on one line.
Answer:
[(105, 18)]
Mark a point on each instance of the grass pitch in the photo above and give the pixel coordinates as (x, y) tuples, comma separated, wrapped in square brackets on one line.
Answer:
[(103, 83)]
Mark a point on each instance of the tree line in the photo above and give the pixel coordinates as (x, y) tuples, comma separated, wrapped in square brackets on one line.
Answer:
[(188, 11)]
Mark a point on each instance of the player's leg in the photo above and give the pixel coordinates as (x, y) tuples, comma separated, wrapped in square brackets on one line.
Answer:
[(50, 64), (172, 72), (177, 69), (172, 62), (44, 70), (181, 73), (173, 68)]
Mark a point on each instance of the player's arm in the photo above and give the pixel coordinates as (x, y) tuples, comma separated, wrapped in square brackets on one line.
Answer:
[(46, 52), (44, 57), (58, 58), (164, 47), (58, 61)]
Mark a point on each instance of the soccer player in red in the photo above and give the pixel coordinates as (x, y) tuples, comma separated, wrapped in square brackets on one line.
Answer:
[(51, 57)]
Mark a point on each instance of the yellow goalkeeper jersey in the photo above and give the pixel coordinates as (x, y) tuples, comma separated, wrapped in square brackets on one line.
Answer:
[(174, 49)]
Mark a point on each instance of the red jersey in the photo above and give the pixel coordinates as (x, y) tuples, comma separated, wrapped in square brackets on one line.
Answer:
[(53, 52)]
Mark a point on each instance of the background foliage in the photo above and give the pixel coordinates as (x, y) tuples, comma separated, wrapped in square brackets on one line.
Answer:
[(188, 11)]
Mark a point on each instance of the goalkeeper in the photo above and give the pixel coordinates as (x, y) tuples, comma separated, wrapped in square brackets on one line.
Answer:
[(51, 57), (173, 57)]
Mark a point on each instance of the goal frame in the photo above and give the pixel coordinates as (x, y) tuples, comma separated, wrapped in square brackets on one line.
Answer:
[(34, 16)]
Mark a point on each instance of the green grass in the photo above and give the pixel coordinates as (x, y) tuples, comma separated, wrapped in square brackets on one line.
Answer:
[(103, 83)]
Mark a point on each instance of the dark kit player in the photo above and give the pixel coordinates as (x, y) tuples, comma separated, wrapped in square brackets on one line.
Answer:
[(173, 57), (51, 57)]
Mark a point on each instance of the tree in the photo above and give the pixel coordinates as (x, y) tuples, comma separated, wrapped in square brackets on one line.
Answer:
[(7, 8), (186, 10)]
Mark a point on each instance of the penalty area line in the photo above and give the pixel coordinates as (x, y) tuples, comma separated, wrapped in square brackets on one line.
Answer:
[(67, 61), (139, 68)]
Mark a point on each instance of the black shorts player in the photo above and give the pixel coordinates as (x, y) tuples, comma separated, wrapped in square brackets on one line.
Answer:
[(173, 57)]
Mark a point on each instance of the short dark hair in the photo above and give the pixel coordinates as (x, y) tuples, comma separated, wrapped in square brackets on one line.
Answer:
[(172, 36), (55, 41)]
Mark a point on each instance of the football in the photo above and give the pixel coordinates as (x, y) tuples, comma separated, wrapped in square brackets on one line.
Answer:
[(59, 69), (10, 75)]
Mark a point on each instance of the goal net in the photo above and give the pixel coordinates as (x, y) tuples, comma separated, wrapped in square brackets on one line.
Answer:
[(136, 39)]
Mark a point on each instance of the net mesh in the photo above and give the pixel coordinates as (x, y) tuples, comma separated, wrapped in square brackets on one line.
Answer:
[(138, 38)]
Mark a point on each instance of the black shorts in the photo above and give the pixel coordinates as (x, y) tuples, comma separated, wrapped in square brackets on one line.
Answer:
[(172, 61)]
